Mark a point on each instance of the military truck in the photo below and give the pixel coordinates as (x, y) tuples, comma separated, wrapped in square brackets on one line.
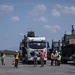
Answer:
[(30, 44), (68, 47), (68, 54)]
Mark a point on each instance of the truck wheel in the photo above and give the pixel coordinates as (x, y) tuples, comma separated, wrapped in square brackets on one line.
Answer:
[(74, 61), (64, 61)]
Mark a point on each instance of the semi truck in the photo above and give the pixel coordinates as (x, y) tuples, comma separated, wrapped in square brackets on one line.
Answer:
[(30, 45)]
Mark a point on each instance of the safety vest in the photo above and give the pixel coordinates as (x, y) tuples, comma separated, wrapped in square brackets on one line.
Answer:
[(59, 57), (2, 57), (16, 57)]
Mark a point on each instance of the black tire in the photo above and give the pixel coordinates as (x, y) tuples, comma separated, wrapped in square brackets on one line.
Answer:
[(74, 61), (64, 61)]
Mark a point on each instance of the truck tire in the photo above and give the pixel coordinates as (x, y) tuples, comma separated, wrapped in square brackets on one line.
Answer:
[(64, 61), (74, 61)]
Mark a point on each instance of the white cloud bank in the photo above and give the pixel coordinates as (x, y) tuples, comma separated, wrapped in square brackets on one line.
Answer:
[(55, 12), (59, 9), (15, 18), (6, 9), (53, 28), (38, 9)]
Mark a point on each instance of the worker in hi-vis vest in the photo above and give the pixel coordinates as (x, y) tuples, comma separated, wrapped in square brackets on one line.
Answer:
[(16, 59), (59, 59)]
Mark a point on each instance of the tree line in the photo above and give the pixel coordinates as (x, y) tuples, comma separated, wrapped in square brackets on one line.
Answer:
[(8, 52)]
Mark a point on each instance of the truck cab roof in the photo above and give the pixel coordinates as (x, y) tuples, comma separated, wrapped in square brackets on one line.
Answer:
[(35, 39)]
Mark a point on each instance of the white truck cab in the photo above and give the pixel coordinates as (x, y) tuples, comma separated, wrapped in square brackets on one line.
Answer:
[(33, 44)]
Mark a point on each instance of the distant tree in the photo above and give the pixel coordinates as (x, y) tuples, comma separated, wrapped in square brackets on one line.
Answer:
[(8, 52)]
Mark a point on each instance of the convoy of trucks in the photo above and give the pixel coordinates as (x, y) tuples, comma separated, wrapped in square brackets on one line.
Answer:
[(31, 43), (66, 47)]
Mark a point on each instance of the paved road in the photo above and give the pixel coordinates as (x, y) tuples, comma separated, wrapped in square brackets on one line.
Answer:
[(63, 69)]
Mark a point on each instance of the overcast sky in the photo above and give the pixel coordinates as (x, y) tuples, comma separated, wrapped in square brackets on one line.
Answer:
[(48, 18)]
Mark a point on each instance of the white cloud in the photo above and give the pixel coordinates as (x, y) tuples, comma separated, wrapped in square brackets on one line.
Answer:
[(40, 8), (55, 12), (69, 10), (59, 9), (15, 18), (41, 19), (54, 28), (6, 9)]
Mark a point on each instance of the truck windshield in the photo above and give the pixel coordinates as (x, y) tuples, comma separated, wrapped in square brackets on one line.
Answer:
[(37, 44)]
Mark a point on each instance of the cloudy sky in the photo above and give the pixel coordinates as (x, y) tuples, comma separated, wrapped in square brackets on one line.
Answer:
[(49, 18)]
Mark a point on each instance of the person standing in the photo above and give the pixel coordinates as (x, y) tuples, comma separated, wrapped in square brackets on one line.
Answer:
[(56, 56), (35, 57), (52, 58), (16, 59), (42, 55), (2, 58), (59, 59)]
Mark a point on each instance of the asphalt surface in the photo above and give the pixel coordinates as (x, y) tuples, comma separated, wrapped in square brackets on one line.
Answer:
[(25, 69)]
